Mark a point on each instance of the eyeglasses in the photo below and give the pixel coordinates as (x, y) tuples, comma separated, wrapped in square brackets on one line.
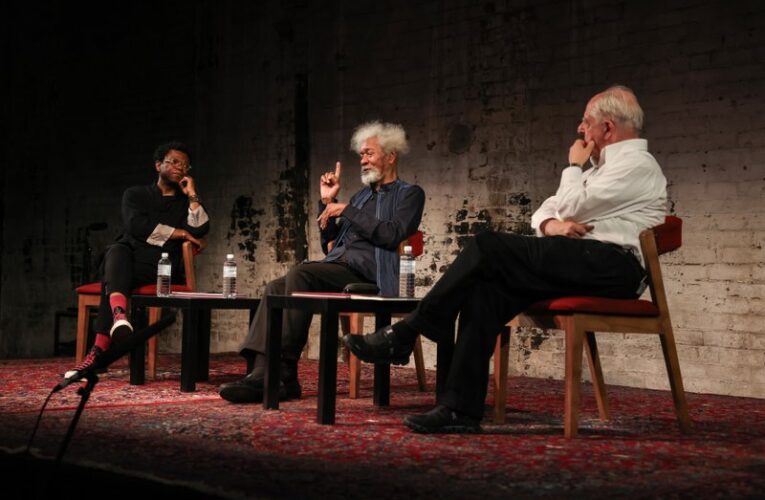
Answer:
[(178, 163)]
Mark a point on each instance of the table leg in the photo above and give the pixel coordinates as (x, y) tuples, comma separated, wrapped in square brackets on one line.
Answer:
[(444, 353), (138, 355), (327, 368), (381, 395), (250, 359), (273, 357), (189, 349), (203, 361)]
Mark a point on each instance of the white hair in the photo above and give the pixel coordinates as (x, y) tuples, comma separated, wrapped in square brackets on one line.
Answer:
[(620, 104), (392, 137)]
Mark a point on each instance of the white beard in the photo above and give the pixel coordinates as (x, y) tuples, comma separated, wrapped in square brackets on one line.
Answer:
[(371, 176)]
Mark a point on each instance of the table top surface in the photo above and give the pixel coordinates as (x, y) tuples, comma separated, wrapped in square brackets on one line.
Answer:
[(318, 302), (215, 301), (338, 302)]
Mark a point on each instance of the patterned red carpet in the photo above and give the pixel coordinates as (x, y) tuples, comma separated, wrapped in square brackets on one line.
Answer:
[(154, 434)]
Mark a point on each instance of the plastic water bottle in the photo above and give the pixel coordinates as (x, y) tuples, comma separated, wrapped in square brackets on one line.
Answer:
[(229, 277), (164, 270), (406, 273)]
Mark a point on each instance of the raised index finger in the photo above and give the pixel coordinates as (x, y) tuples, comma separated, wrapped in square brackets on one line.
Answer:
[(338, 169)]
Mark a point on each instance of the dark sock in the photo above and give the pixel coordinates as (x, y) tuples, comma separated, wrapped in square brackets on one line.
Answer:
[(259, 366), (289, 371), (288, 368), (405, 334)]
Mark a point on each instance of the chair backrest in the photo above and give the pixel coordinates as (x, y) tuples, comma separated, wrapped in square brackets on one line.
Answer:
[(414, 240), (654, 242), (669, 236)]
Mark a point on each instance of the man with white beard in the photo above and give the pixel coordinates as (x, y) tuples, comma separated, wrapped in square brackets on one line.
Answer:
[(365, 233)]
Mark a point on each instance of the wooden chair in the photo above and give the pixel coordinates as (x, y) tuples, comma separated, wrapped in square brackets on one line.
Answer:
[(89, 296), (581, 317), (353, 324)]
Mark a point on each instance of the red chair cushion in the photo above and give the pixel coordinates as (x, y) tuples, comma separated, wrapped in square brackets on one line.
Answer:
[(594, 305), (89, 289), (151, 289)]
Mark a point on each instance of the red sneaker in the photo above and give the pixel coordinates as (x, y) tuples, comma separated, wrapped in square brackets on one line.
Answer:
[(90, 359)]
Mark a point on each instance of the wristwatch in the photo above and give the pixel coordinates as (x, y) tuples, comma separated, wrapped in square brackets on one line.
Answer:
[(193, 199)]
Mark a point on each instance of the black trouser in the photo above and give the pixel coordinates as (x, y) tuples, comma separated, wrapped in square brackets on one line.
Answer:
[(499, 275), (305, 277), (123, 270)]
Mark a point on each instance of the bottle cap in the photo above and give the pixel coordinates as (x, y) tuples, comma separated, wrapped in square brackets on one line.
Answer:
[(230, 256), (164, 255), (407, 249)]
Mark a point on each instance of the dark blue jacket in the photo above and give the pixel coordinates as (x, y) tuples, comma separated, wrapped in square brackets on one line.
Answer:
[(397, 215)]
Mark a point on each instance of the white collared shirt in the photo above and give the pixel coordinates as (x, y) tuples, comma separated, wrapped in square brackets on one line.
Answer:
[(622, 195)]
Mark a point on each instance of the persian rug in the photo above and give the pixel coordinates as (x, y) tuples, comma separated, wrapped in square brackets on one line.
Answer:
[(154, 439)]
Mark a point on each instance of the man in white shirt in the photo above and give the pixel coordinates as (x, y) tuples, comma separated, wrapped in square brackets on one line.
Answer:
[(586, 244)]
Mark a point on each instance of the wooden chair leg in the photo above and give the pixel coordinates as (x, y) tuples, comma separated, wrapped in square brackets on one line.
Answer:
[(82, 330), (596, 372), (85, 302), (574, 344), (155, 314), (675, 378), (419, 365), (501, 351), (355, 327)]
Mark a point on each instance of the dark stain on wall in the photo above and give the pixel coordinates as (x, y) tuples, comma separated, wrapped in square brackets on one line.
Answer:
[(245, 224), (292, 217), (531, 339), (518, 214), (292, 201), (520, 200), (467, 225), (513, 217), (424, 281)]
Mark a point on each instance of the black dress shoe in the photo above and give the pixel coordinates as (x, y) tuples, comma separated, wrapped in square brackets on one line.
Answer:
[(250, 390), (383, 346), (443, 420)]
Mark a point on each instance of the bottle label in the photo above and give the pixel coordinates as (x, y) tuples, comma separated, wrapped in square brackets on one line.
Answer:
[(407, 266), (229, 272), (163, 270)]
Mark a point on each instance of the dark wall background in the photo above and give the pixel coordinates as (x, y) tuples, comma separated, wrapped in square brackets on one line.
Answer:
[(267, 94)]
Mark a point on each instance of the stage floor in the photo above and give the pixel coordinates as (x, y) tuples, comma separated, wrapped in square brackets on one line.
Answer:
[(153, 438)]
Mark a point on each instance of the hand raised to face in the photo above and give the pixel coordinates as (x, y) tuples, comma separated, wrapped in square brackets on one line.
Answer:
[(188, 186), (580, 152)]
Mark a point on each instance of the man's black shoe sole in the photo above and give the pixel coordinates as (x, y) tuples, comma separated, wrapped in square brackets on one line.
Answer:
[(121, 333), (443, 429), (400, 361), (241, 394)]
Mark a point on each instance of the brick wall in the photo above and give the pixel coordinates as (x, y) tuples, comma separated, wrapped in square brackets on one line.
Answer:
[(268, 93)]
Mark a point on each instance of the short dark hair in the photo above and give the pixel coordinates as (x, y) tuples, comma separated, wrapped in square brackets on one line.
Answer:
[(162, 150)]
